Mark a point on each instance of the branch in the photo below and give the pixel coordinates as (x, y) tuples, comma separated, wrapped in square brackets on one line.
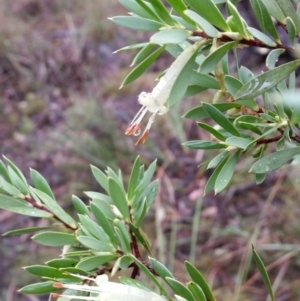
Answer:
[(42, 207), (250, 42)]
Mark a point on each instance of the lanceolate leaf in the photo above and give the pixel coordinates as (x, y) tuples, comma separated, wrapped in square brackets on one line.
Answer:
[(24, 231), (39, 288), (226, 173), (54, 239), (220, 119), (40, 183), (21, 207), (212, 59), (142, 67), (92, 263), (289, 11), (199, 113), (137, 23), (266, 81), (118, 196), (209, 11), (199, 279), (274, 161), (170, 36), (180, 289), (263, 273)]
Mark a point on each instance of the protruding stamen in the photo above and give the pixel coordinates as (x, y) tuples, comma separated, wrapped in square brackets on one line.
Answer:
[(143, 138)]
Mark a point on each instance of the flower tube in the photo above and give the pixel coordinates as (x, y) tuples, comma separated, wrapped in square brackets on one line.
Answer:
[(156, 101), (104, 290)]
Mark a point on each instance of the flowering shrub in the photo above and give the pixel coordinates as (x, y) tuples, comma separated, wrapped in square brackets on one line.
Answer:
[(250, 114)]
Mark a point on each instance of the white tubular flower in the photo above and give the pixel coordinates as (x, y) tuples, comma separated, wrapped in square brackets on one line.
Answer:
[(104, 290), (156, 101)]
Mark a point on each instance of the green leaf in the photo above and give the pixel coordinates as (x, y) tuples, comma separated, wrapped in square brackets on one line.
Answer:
[(266, 81), (274, 9), (137, 23), (162, 12), (259, 178), (217, 159), (255, 4), (40, 183), (261, 37), (202, 144), (274, 161), (95, 244), (142, 54), (46, 271), (220, 119), (103, 222), (226, 173), (232, 84), (16, 170), (133, 46), (134, 283), (269, 24), (263, 273), (212, 131), (105, 208), (52, 205), (160, 269), (199, 279), (180, 289), (272, 58), (149, 275), (99, 196), (203, 24), (54, 239), (239, 142), (134, 178), (209, 11), (17, 181), (291, 28), (170, 36), (118, 196), (134, 7), (199, 113), (79, 205), (62, 263), (18, 232), (196, 290), (93, 228), (212, 180), (237, 23), (213, 58), (142, 67), (39, 288), (21, 207), (123, 235), (100, 177), (9, 189), (204, 80), (92, 263), (289, 11), (140, 237), (4, 173)]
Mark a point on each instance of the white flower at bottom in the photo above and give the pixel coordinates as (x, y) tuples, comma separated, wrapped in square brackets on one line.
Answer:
[(104, 290), (156, 101)]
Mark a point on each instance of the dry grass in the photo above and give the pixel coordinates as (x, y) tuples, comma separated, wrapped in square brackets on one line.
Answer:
[(61, 108)]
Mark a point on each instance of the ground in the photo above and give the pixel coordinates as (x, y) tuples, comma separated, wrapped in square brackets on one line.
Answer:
[(61, 110)]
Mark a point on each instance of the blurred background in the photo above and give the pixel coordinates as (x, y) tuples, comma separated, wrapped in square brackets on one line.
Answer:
[(61, 109)]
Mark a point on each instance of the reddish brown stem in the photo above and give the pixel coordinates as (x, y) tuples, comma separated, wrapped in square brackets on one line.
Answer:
[(42, 207), (250, 42), (268, 140)]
